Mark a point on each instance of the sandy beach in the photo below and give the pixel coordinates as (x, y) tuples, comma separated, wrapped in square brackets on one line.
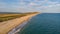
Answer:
[(7, 26)]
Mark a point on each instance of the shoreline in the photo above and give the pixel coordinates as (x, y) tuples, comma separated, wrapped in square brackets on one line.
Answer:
[(11, 24), (19, 27)]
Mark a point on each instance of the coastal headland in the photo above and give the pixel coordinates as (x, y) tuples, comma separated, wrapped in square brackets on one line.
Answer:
[(7, 26)]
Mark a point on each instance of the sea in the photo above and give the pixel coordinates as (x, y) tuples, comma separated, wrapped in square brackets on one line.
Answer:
[(44, 23)]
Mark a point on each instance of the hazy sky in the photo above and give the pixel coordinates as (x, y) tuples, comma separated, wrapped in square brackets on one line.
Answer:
[(44, 6)]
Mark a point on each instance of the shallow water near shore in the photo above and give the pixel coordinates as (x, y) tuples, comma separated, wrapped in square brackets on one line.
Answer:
[(45, 23)]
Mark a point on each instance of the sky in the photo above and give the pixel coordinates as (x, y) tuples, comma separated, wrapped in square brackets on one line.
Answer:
[(44, 6)]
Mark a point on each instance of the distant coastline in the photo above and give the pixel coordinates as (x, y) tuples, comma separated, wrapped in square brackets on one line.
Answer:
[(10, 13)]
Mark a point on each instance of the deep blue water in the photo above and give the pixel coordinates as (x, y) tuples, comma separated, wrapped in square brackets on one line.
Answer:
[(45, 23)]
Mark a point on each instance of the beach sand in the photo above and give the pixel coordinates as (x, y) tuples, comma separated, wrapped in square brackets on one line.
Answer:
[(7, 26)]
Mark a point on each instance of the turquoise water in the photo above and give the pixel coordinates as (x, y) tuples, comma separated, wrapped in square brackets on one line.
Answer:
[(45, 23)]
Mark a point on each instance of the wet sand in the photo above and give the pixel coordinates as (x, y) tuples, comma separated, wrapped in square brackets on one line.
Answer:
[(7, 26)]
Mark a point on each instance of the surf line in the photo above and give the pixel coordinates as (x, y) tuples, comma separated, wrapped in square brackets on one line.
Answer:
[(19, 27)]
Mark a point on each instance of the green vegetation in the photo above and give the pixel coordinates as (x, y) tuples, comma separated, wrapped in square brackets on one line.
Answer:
[(5, 17)]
